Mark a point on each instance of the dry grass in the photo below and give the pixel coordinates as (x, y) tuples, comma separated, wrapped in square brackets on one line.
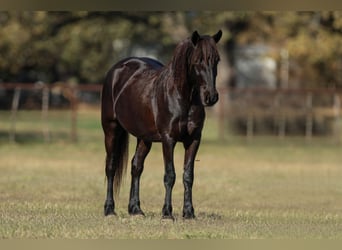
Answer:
[(265, 188)]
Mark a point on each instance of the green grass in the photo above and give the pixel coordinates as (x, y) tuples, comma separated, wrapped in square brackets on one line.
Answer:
[(262, 188)]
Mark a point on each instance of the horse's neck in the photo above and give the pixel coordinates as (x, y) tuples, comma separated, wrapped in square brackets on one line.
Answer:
[(180, 85), (176, 95)]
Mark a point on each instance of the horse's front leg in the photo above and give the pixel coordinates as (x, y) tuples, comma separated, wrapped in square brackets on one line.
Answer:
[(169, 177), (143, 148), (191, 148)]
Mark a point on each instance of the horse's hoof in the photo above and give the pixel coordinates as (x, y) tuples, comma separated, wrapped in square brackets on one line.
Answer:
[(109, 210), (135, 211), (168, 218), (137, 214), (109, 213), (167, 213), (188, 216), (188, 213)]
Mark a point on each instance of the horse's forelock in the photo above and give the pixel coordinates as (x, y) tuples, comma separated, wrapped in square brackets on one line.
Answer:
[(206, 50), (186, 54)]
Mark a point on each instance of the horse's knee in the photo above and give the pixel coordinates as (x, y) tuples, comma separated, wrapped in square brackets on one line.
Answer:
[(137, 167), (170, 178), (109, 166)]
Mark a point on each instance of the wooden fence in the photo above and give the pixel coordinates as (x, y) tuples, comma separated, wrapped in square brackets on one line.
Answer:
[(69, 92), (248, 105), (280, 106)]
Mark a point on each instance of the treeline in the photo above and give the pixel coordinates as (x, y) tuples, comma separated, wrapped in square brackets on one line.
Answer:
[(80, 46)]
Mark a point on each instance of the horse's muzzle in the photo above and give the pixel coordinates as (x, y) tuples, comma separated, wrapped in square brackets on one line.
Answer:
[(210, 100)]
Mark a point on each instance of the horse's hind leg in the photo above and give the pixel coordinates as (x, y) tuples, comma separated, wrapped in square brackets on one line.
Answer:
[(143, 148), (111, 130)]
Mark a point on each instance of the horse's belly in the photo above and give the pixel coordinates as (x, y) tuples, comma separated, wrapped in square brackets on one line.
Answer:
[(138, 120)]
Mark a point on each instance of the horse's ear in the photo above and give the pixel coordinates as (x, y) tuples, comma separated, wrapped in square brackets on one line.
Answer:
[(195, 37), (217, 36)]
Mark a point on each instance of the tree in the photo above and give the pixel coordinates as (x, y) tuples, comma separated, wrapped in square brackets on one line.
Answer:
[(59, 46), (312, 39), (81, 46)]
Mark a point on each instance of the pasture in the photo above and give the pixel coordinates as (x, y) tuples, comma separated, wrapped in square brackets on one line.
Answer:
[(262, 188)]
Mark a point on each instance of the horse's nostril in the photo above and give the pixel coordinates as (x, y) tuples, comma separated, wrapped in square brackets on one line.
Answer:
[(215, 98), (210, 100), (207, 99)]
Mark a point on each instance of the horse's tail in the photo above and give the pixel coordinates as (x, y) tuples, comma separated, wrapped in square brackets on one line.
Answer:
[(117, 151), (120, 155)]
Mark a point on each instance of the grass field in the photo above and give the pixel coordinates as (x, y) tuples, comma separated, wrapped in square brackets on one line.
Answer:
[(263, 188)]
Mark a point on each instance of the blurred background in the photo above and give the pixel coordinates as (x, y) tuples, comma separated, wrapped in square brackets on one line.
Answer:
[(269, 165), (280, 72)]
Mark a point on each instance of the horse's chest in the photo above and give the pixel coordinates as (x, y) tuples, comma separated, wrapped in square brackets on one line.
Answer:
[(192, 122), (178, 119)]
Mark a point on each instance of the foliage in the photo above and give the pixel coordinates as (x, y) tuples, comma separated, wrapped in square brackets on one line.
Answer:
[(312, 39), (60, 46), (81, 46)]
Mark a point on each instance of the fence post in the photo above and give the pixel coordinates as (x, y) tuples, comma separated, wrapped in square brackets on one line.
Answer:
[(282, 126), (337, 113), (221, 115), (74, 105), (15, 105), (250, 125), (70, 93), (45, 110), (281, 121), (309, 117)]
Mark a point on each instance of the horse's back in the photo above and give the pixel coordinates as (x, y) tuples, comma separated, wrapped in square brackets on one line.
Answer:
[(136, 64), (155, 64)]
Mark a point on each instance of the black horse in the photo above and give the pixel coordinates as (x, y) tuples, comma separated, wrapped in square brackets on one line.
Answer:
[(157, 103)]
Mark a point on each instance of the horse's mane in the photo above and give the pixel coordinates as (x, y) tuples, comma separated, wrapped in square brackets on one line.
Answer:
[(181, 59)]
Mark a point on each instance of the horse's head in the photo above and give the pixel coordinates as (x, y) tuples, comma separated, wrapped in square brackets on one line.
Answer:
[(203, 63)]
